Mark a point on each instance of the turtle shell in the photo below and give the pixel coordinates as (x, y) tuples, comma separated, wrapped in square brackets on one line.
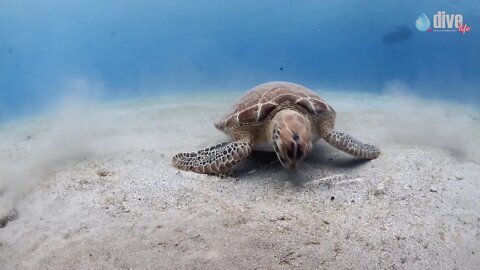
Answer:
[(260, 101)]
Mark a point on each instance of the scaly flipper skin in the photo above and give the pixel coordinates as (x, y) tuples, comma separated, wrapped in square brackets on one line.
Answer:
[(217, 160), (351, 146)]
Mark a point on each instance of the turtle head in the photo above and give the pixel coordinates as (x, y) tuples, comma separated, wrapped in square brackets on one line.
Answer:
[(291, 137)]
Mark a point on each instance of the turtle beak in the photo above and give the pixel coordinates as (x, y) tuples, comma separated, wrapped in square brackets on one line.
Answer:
[(291, 155), (292, 166), (287, 163)]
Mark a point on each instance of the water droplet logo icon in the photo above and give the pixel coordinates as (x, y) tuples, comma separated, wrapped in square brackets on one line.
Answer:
[(422, 23)]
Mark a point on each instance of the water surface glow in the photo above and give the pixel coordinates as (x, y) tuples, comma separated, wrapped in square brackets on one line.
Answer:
[(129, 49)]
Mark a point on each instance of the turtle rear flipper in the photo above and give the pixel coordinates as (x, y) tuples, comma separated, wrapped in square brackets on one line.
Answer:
[(216, 160), (351, 145)]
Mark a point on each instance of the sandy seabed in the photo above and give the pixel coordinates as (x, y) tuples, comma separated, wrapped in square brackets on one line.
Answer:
[(91, 187)]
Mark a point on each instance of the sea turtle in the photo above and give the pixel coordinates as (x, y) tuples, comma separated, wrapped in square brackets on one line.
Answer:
[(280, 116)]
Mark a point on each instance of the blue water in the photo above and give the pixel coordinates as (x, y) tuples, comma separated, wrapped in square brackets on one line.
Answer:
[(150, 47)]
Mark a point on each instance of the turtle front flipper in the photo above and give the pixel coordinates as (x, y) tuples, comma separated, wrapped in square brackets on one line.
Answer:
[(216, 160), (351, 146)]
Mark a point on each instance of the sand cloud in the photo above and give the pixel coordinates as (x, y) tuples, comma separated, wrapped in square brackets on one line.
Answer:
[(81, 127)]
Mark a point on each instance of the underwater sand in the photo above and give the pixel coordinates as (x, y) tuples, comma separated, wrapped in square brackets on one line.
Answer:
[(91, 187)]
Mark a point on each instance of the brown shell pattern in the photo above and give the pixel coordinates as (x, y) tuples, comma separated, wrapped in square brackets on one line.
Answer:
[(261, 100)]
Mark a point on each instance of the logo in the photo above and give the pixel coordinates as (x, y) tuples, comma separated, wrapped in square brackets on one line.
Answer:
[(442, 22)]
